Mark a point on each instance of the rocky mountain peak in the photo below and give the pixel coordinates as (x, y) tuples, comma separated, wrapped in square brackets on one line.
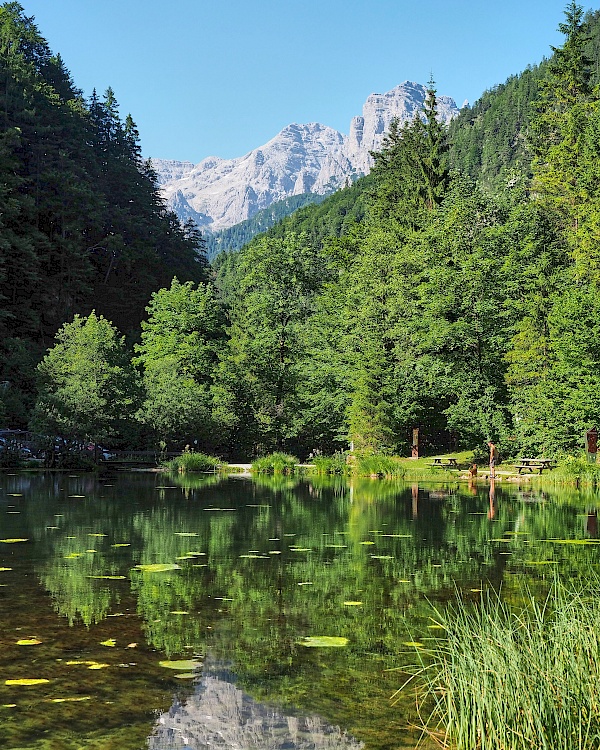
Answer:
[(302, 158)]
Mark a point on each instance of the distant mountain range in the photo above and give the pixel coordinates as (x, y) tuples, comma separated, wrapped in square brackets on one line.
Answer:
[(301, 159)]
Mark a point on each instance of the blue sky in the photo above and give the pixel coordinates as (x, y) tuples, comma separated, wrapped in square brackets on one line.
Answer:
[(221, 77)]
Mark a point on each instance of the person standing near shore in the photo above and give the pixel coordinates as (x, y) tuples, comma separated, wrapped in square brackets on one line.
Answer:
[(493, 459)]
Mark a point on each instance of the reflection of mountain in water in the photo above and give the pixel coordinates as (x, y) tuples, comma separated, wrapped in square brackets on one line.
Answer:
[(220, 715)]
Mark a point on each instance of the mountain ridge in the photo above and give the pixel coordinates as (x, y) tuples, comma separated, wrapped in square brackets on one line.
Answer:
[(302, 158)]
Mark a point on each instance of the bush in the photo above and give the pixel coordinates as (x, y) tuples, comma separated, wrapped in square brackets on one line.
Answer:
[(335, 464), (514, 679), (275, 463), (377, 465), (190, 461), (577, 469)]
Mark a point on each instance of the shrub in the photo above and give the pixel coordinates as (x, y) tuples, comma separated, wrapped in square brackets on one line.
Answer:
[(275, 463), (377, 465), (577, 469), (335, 464), (514, 679), (191, 461)]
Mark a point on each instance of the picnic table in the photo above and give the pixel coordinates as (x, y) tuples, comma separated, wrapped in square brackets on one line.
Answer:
[(534, 464), (444, 463)]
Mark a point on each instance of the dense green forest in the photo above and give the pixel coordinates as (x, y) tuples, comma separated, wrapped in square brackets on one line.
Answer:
[(234, 238), (454, 289)]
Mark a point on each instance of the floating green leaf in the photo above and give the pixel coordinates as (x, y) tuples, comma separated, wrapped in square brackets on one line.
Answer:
[(158, 567), (70, 700), (108, 578), (186, 676), (28, 642), (3, 569), (324, 641), (353, 604), (186, 533), (184, 665), (122, 544), (27, 681), (109, 642), (13, 541), (179, 612), (413, 644)]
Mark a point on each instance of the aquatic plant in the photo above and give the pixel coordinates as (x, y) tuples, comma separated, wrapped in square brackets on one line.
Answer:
[(335, 464), (576, 470), (378, 465), (192, 461), (513, 678), (275, 463)]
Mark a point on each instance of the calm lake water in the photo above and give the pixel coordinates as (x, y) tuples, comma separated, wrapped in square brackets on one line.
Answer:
[(173, 614)]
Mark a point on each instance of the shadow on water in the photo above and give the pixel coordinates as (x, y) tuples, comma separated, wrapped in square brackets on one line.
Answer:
[(104, 581)]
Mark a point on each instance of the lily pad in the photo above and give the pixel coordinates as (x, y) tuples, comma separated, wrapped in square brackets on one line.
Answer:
[(368, 542), (352, 604), (28, 642), (324, 641), (13, 541), (185, 665), (121, 544), (186, 676), (27, 681), (76, 699), (97, 665), (3, 569), (186, 533), (108, 578), (109, 642), (158, 567)]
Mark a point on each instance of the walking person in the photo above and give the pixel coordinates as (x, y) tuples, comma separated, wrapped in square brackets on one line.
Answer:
[(493, 459)]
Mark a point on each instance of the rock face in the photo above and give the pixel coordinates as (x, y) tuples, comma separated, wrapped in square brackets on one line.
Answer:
[(313, 158), (220, 716)]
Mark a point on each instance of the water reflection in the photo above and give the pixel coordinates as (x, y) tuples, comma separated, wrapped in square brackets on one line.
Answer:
[(241, 572), (220, 715)]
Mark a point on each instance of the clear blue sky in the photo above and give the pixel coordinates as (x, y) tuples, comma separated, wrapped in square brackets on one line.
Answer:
[(221, 77)]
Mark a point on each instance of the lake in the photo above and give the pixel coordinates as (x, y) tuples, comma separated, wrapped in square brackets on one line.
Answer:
[(179, 613)]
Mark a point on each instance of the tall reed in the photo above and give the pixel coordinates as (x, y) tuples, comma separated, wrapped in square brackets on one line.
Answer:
[(515, 679)]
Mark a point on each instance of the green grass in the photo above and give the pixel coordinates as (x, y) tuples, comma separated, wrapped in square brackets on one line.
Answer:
[(190, 461), (514, 679), (377, 465), (275, 463), (575, 470), (336, 464)]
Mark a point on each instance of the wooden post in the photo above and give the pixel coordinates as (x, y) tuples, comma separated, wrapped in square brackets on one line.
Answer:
[(414, 448), (591, 444)]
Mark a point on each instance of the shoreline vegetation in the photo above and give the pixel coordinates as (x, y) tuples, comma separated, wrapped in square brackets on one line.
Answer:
[(543, 654), (575, 471)]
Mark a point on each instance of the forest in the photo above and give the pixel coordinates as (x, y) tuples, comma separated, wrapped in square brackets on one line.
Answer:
[(454, 289)]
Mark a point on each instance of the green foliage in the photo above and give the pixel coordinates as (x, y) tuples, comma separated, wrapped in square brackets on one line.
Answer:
[(335, 464), (88, 389), (275, 463), (178, 353), (576, 470), (514, 678), (83, 225), (192, 461), (374, 465), (234, 238)]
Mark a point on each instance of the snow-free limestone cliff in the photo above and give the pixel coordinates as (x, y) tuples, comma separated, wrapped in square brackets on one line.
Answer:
[(312, 158)]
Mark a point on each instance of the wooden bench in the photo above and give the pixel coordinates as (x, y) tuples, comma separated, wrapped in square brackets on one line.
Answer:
[(444, 463), (532, 465)]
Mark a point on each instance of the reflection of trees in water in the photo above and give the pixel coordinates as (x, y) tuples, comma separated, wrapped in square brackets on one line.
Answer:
[(269, 561), (220, 715)]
